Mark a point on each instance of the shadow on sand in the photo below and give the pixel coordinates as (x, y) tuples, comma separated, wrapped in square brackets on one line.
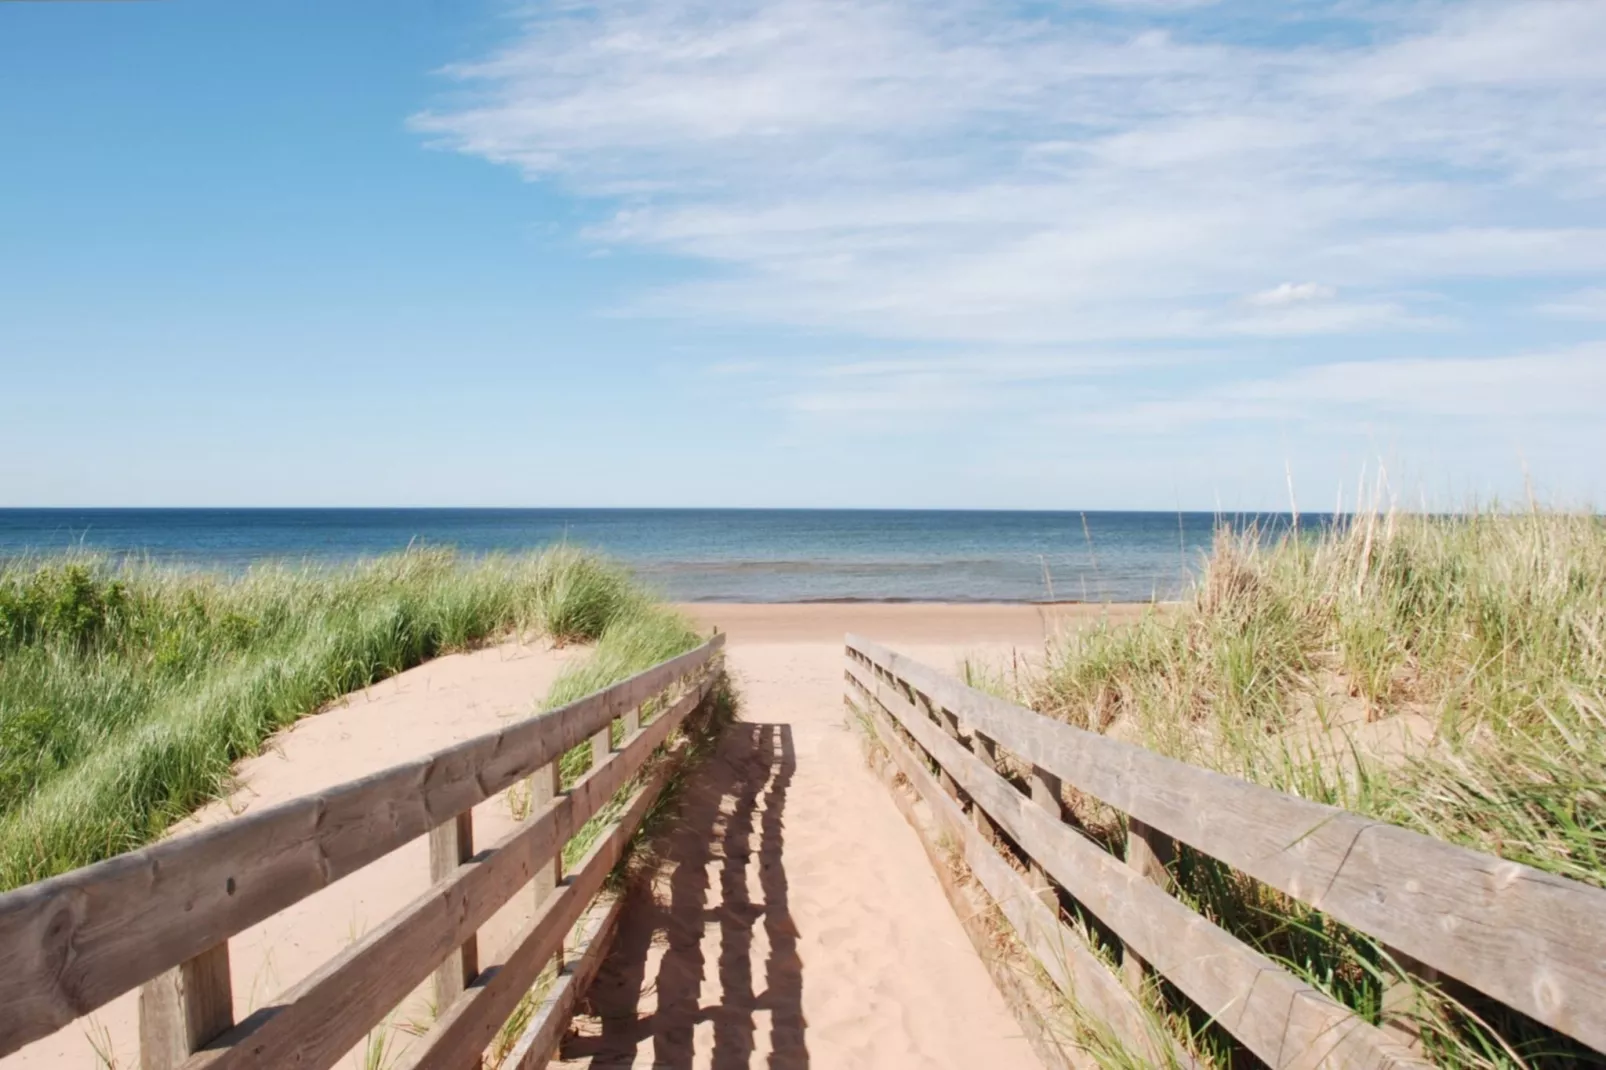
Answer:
[(680, 977)]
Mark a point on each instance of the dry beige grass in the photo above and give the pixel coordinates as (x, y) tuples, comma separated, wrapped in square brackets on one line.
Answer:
[(1447, 674)]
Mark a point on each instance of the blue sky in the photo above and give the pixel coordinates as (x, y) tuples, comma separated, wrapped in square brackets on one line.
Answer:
[(667, 252)]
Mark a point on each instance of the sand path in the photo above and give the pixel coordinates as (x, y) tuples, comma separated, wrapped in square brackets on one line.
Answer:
[(798, 921)]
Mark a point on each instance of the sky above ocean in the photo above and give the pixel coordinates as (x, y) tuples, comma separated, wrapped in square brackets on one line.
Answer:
[(1124, 255)]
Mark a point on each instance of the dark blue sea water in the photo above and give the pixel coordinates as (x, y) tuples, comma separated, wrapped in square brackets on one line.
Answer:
[(697, 554)]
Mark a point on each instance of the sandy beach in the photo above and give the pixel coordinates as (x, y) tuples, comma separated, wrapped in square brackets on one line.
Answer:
[(798, 921), (945, 627), (906, 535), (855, 957)]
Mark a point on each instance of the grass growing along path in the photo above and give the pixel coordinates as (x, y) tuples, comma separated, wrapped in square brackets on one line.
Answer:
[(1488, 632), (127, 693)]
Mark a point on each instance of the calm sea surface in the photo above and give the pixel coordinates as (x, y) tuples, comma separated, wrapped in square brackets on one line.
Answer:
[(696, 554)]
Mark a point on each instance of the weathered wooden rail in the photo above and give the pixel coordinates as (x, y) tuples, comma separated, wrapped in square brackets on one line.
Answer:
[(1529, 939), (159, 919)]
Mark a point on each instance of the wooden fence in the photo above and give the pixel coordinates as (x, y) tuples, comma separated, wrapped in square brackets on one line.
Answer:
[(1531, 940), (160, 918)]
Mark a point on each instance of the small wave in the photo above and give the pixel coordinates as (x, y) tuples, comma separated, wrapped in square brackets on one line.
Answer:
[(1031, 563), (937, 600)]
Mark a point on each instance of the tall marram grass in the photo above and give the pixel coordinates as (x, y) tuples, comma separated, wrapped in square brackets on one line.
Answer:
[(627, 646), (1295, 665), (127, 692), (630, 644)]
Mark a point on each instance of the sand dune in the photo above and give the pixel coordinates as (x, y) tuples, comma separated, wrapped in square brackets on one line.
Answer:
[(799, 922), (421, 710)]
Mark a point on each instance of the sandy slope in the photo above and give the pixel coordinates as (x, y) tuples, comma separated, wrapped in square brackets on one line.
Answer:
[(436, 704), (799, 922)]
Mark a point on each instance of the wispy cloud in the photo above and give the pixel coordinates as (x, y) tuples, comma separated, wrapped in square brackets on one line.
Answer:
[(1508, 391), (1587, 304), (1292, 293), (968, 171), (1089, 182)]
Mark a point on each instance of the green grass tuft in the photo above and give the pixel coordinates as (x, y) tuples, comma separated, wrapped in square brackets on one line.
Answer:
[(579, 595), (629, 645), (128, 692)]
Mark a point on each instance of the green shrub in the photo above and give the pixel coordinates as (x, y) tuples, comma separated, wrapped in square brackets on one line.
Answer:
[(72, 602)]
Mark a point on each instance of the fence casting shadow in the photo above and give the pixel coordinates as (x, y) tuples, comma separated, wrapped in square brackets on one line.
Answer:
[(681, 972)]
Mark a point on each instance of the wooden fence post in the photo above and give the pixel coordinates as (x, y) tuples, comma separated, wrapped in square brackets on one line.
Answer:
[(950, 726), (1405, 1002), (985, 748), (184, 1008), (1149, 852), (544, 787), (451, 843), (1046, 793)]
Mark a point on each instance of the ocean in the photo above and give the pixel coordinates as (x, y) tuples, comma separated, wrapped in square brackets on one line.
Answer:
[(714, 555)]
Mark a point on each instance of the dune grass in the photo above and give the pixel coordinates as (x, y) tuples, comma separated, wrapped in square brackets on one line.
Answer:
[(628, 644), (1289, 666), (626, 647), (128, 691), (660, 635)]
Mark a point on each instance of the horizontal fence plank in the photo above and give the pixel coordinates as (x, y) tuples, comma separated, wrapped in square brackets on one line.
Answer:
[(74, 942), (538, 1044), (1530, 939), (471, 1023), (317, 1021), (1283, 1020), (1073, 967)]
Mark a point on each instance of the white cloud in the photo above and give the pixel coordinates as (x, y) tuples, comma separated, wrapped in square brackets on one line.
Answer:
[(1327, 317), (1095, 227), (1534, 43), (921, 386), (1587, 304), (1292, 293), (1509, 391), (960, 171)]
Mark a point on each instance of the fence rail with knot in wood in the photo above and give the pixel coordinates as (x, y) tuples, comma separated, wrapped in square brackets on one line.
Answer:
[(159, 919), (1531, 940)]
